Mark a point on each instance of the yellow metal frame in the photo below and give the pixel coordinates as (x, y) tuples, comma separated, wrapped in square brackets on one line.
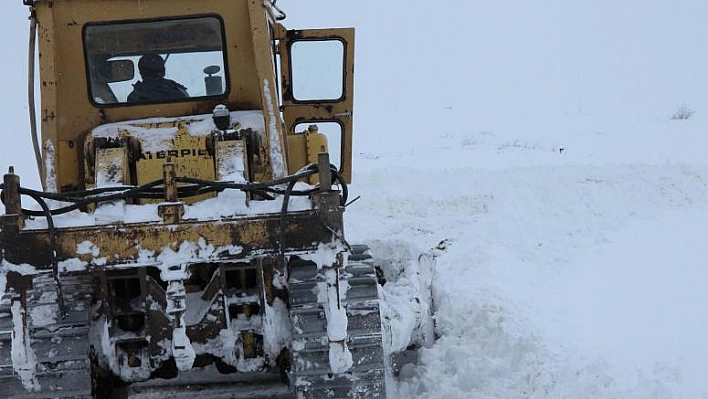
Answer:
[(339, 111), (67, 114)]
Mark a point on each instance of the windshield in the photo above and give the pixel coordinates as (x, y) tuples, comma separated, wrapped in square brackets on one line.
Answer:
[(155, 61)]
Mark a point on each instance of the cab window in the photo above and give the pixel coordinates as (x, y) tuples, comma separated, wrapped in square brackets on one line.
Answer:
[(155, 61)]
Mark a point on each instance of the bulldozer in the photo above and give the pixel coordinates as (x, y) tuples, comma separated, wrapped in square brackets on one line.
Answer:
[(188, 236)]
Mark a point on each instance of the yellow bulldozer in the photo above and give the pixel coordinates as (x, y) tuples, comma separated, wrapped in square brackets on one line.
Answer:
[(188, 238)]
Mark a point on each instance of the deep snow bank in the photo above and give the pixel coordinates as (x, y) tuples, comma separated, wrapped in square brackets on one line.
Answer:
[(560, 280)]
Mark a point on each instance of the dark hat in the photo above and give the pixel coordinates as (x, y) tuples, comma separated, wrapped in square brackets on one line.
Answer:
[(151, 64)]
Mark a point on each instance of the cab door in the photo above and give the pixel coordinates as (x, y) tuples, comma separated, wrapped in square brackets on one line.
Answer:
[(317, 68)]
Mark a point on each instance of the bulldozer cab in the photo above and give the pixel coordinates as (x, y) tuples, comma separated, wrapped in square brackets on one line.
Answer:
[(221, 52), (114, 52)]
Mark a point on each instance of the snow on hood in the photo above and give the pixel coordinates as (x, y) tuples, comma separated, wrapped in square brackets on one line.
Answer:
[(198, 125), (227, 204)]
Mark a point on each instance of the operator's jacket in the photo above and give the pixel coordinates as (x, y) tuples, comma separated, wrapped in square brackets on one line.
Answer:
[(157, 90)]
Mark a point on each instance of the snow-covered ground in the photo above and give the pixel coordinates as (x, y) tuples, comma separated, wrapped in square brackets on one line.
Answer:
[(529, 146), (558, 278)]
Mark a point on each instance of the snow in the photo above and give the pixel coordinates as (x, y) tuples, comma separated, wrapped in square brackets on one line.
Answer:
[(530, 147), (276, 150), (331, 293), (182, 349), (197, 308), (232, 166), (155, 139), (87, 247), (23, 269), (227, 204), (276, 327), (23, 358), (45, 315), (72, 265), (554, 281), (406, 308), (326, 254), (50, 180)]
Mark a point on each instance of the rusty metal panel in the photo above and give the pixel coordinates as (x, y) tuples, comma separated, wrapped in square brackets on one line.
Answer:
[(112, 166), (68, 153), (154, 244)]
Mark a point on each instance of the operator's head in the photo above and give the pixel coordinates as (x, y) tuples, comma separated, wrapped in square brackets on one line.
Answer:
[(151, 65)]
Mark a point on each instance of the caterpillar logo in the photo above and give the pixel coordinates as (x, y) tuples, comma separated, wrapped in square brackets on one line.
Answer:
[(183, 153)]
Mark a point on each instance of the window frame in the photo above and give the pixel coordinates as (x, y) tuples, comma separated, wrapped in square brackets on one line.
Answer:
[(87, 62), (343, 88)]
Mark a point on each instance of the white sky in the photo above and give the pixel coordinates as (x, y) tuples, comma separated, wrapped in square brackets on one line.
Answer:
[(511, 63), (16, 148)]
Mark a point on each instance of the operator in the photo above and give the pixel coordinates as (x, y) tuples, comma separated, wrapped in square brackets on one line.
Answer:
[(154, 86)]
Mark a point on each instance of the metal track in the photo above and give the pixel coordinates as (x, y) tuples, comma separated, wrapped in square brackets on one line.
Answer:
[(64, 370), (5, 338), (314, 381), (60, 347), (310, 375)]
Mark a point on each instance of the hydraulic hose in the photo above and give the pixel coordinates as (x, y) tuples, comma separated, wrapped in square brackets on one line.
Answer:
[(154, 189), (191, 187)]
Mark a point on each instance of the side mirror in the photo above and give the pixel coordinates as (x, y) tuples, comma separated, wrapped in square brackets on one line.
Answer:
[(214, 84), (117, 71)]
